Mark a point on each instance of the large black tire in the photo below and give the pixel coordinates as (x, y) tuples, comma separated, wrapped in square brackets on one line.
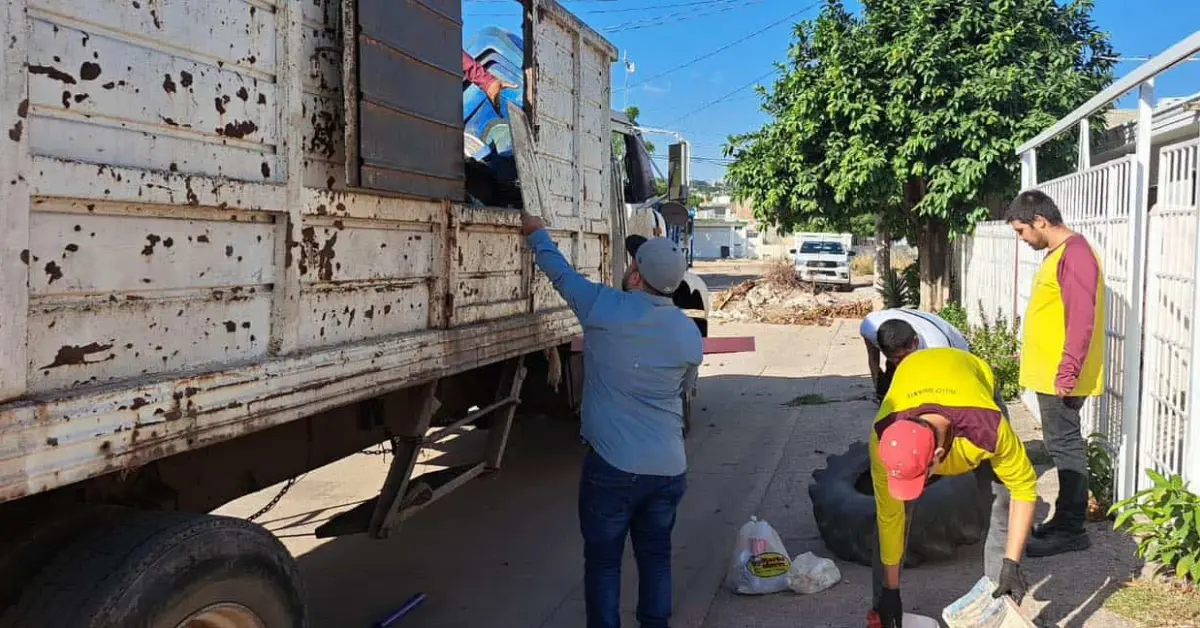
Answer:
[(952, 511), (156, 569)]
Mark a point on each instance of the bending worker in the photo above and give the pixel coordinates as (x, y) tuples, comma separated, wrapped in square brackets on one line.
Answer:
[(897, 332), (940, 417)]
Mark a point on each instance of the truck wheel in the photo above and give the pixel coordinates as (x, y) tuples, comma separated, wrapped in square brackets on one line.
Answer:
[(952, 511), (166, 570)]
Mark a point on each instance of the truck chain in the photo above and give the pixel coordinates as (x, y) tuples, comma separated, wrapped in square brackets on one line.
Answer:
[(275, 500)]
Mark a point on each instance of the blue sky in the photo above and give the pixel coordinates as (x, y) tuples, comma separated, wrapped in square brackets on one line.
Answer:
[(660, 35)]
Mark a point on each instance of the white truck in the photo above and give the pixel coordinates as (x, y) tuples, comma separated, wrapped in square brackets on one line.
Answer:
[(824, 258), (235, 246)]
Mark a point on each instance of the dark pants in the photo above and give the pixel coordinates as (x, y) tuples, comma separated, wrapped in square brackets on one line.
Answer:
[(994, 545), (1065, 443), (614, 504)]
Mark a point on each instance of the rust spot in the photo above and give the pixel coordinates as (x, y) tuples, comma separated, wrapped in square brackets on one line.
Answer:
[(69, 355), (53, 73), (229, 250), (89, 71), (262, 98), (237, 130), (369, 313), (106, 447), (23, 108), (138, 402), (66, 100), (243, 94), (149, 248), (266, 170), (72, 247), (81, 97), (329, 183), (168, 84), (230, 326), (246, 325), (252, 59), (220, 105), (326, 131), (154, 16), (174, 167), (136, 4), (321, 211), (25, 256), (53, 271), (109, 85), (14, 133), (185, 79), (169, 243), (337, 224), (202, 239), (52, 441), (387, 309)]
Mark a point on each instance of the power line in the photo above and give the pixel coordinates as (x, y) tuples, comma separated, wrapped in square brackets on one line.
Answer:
[(678, 16), (719, 100), (726, 46)]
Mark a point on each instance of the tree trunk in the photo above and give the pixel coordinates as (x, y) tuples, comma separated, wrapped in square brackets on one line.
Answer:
[(933, 253), (883, 251)]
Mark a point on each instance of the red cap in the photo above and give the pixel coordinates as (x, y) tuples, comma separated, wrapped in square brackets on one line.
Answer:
[(906, 450)]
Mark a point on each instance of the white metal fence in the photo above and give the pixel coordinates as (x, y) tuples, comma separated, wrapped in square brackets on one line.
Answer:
[(998, 269)]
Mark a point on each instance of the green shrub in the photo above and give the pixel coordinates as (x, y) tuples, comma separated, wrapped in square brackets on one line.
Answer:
[(956, 315), (1100, 473), (1165, 519), (997, 343), (901, 287)]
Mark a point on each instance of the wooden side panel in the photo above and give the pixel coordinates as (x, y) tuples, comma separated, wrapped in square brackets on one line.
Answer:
[(119, 291), (140, 85), (406, 134)]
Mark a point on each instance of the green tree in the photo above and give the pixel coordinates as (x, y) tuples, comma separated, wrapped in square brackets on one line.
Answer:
[(912, 110), (632, 113)]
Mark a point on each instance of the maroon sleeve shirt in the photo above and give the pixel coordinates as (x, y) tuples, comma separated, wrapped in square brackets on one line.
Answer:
[(1079, 278), (476, 73)]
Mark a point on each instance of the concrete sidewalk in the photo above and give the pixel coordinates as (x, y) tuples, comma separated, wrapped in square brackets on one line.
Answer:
[(505, 552)]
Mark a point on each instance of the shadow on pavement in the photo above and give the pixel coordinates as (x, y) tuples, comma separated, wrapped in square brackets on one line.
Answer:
[(504, 551)]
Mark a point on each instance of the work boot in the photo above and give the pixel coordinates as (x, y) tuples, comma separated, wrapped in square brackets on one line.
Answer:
[(1064, 532)]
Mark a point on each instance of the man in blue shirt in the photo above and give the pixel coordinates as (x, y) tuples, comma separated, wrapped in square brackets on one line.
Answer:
[(640, 354)]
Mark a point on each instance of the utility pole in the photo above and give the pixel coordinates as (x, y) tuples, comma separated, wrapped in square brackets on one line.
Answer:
[(629, 69)]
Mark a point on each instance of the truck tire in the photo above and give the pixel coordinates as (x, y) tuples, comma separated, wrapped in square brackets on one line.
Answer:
[(166, 570), (952, 511)]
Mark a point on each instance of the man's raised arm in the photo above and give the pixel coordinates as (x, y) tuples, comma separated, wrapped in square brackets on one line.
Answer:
[(578, 291)]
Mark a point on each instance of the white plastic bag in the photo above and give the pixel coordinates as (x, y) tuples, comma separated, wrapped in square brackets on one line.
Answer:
[(812, 574), (760, 563)]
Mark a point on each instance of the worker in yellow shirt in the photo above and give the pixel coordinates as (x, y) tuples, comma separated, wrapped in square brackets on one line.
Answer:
[(1062, 358), (940, 417)]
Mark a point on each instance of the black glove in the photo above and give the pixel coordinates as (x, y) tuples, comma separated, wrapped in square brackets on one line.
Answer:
[(891, 610), (1012, 583)]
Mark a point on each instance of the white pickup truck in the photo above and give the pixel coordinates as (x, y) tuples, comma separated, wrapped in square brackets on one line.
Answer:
[(235, 245), (824, 258)]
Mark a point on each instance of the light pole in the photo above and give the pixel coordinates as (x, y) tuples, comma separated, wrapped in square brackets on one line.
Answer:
[(629, 69)]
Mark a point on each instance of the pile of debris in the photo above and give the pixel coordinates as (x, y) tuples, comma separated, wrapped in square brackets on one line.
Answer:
[(788, 303)]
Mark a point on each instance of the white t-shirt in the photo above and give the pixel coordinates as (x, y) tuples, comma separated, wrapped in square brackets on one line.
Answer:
[(931, 330)]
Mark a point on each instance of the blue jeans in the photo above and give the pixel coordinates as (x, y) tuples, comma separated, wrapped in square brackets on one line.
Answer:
[(614, 504)]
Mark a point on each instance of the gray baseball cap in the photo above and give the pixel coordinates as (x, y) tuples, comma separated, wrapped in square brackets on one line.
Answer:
[(659, 260)]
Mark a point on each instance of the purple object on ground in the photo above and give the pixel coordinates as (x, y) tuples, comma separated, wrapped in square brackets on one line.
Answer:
[(412, 603)]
